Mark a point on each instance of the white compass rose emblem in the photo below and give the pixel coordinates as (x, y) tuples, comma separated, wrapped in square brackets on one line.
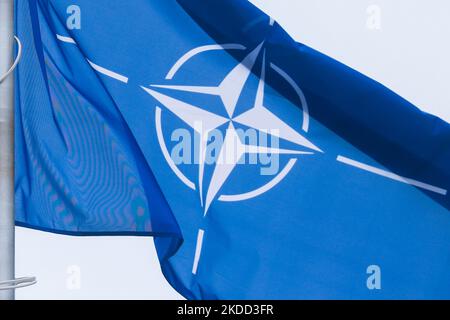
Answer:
[(258, 118)]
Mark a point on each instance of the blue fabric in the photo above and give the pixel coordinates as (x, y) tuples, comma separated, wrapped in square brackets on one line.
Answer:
[(90, 159)]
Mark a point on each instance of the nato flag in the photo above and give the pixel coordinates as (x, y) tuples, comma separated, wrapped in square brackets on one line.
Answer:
[(263, 168)]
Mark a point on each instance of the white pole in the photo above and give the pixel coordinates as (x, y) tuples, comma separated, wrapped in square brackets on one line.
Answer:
[(6, 148)]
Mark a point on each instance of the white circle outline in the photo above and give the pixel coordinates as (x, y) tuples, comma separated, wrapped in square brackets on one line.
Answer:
[(280, 176)]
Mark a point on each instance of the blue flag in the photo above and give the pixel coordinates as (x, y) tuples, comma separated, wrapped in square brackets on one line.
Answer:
[(263, 168)]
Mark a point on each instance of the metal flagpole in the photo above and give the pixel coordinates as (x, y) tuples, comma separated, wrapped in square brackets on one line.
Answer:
[(6, 149)]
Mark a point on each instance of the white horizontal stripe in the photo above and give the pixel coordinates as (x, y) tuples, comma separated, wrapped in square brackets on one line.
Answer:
[(109, 73), (65, 39), (391, 175), (198, 250), (98, 68)]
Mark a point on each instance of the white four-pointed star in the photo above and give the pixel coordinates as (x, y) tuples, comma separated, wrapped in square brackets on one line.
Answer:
[(258, 117)]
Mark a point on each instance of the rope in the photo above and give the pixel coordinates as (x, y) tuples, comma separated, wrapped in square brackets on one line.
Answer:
[(16, 62), (17, 283)]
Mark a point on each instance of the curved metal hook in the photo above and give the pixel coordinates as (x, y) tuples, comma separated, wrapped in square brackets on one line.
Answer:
[(16, 61), (17, 283)]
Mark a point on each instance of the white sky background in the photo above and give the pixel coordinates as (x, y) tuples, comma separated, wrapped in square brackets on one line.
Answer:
[(409, 54)]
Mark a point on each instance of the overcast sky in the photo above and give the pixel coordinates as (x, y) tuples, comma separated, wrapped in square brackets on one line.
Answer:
[(402, 44)]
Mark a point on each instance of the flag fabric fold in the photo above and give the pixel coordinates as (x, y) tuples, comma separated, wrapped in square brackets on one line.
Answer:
[(263, 168)]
